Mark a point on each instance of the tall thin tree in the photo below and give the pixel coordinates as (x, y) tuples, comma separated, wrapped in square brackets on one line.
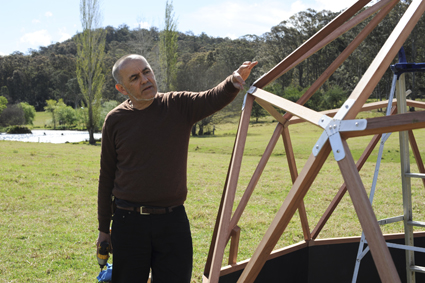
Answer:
[(90, 54), (168, 48)]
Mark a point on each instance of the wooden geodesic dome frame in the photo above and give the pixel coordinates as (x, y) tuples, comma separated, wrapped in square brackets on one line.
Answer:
[(336, 131)]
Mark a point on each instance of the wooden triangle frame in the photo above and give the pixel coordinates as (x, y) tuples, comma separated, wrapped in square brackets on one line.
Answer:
[(226, 224)]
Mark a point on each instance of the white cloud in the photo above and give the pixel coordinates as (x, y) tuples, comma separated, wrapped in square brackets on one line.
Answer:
[(37, 38), (231, 36), (236, 18), (2, 54), (63, 35), (35, 21), (240, 18), (143, 24), (334, 5), (298, 6), (48, 14)]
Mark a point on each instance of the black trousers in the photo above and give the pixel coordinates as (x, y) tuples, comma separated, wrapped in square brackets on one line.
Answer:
[(162, 243)]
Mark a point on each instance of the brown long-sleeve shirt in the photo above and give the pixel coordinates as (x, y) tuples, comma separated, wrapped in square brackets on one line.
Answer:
[(144, 152)]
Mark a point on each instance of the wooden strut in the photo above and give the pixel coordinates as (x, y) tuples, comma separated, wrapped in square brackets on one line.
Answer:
[(217, 222), (223, 228), (234, 245), (376, 242), (256, 176), (294, 175), (365, 107), (220, 209), (390, 124), (408, 121)]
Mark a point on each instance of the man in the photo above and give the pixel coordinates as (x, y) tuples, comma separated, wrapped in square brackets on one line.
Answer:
[(143, 165)]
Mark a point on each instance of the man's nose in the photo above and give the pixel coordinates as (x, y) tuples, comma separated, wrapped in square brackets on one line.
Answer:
[(144, 78)]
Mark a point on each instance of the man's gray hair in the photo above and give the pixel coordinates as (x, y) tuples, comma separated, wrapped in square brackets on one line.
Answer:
[(117, 66)]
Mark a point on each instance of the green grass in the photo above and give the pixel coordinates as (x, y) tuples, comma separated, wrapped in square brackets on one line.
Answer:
[(41, 120), (49, 197), (48, 225)]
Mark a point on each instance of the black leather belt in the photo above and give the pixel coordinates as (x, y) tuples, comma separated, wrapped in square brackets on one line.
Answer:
[(143, 210)]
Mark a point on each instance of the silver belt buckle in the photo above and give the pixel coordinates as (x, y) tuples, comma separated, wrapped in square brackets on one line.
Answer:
[(141, 211)]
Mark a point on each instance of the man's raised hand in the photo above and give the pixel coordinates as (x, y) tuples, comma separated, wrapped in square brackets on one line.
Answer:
[(242, 73)]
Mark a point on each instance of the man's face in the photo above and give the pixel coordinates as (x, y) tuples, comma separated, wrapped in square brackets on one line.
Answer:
[(138, 80)]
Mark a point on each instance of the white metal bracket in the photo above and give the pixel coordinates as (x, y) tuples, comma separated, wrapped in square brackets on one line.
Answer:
[(251, 90), (333, 127)]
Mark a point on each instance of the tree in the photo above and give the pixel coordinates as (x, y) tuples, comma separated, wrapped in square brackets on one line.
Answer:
[(61, 113), (3, 103), (51, 107), (29, 112), (168, 49), (73, 91), (90, 54)]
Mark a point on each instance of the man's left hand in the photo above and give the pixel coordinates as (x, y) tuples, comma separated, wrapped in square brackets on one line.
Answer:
[(242, 73)]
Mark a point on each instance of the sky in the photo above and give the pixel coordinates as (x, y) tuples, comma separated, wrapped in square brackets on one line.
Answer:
[(29, 24)]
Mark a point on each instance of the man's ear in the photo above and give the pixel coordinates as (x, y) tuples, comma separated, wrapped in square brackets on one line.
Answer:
[(121, 89)]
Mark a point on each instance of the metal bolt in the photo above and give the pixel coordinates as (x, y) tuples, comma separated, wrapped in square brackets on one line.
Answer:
[(357, 124), (337, 151), (346, 106), (334, 126), (317, 146), (330, 127)]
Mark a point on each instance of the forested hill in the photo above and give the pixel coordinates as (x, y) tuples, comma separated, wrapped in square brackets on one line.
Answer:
[(203, 61)]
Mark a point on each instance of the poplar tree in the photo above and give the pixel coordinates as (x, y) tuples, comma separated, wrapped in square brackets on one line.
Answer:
[(90, 55), (168, 49)]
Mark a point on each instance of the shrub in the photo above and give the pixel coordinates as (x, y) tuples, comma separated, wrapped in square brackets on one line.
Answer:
[(66, 115), (18, 130), (12, 115), (333, 98)]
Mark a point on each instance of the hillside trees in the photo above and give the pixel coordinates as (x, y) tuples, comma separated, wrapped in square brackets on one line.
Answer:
[(35, 78)]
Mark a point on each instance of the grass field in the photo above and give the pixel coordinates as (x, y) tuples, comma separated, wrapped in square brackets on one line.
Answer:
[(41, 120), (49, 196)]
